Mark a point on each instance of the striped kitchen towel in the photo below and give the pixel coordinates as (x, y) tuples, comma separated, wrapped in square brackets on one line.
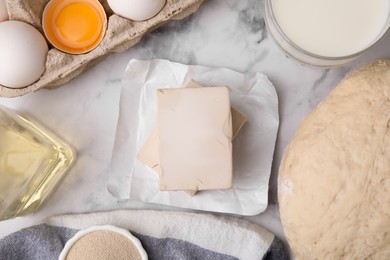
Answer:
[(163, 234)]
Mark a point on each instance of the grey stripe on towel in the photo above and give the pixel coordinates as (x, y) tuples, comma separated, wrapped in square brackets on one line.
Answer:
[(46, 242), (164, 235)]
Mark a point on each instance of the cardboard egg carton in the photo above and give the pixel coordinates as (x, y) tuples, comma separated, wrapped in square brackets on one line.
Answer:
[(120, 35)]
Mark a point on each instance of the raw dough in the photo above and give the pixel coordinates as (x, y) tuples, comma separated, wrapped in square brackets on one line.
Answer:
[(334, 185)]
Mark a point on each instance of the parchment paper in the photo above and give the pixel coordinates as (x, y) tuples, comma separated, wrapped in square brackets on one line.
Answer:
[(253, 148)]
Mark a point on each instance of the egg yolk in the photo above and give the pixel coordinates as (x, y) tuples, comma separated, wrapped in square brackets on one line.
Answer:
[(78, 25)]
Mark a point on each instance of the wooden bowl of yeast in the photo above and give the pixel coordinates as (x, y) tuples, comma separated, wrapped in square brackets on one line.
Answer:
[(120, 35)]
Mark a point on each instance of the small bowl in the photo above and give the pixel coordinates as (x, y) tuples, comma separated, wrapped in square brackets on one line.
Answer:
[(74, 26), (102, 244)]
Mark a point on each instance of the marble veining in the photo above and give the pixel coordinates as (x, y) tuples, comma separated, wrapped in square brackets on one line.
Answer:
[(223, 33)]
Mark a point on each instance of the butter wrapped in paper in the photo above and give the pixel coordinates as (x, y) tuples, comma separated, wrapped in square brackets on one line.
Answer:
[(149, 154), (252, 94)]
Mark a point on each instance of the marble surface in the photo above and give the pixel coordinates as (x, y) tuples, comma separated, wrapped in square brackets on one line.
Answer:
[(223, 33)]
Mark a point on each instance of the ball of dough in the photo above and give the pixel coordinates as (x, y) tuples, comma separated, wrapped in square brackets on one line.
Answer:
[(334, 179)]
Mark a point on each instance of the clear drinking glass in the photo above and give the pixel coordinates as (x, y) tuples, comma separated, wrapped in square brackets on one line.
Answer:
[(303, 56), (32, 162)]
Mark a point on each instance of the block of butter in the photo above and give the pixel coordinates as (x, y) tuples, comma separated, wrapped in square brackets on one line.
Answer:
[(238, 118), (195, 138), (149, 152)]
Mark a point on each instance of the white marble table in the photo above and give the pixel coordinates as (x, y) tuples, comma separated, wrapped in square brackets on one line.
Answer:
[(223, 33)]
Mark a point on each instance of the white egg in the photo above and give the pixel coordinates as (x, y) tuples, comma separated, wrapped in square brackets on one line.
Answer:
[(136, 10), (3, 11), (23, 52)]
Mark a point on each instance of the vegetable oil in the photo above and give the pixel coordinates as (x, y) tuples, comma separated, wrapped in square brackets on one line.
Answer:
[(32, 162)]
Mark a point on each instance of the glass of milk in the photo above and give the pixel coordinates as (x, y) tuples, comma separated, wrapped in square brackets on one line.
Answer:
[(326, 32)]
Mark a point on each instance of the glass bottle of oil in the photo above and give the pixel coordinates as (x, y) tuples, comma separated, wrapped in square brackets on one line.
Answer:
[(32, 162)]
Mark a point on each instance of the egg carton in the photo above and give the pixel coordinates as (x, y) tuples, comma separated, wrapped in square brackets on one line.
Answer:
[(120, 35)]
